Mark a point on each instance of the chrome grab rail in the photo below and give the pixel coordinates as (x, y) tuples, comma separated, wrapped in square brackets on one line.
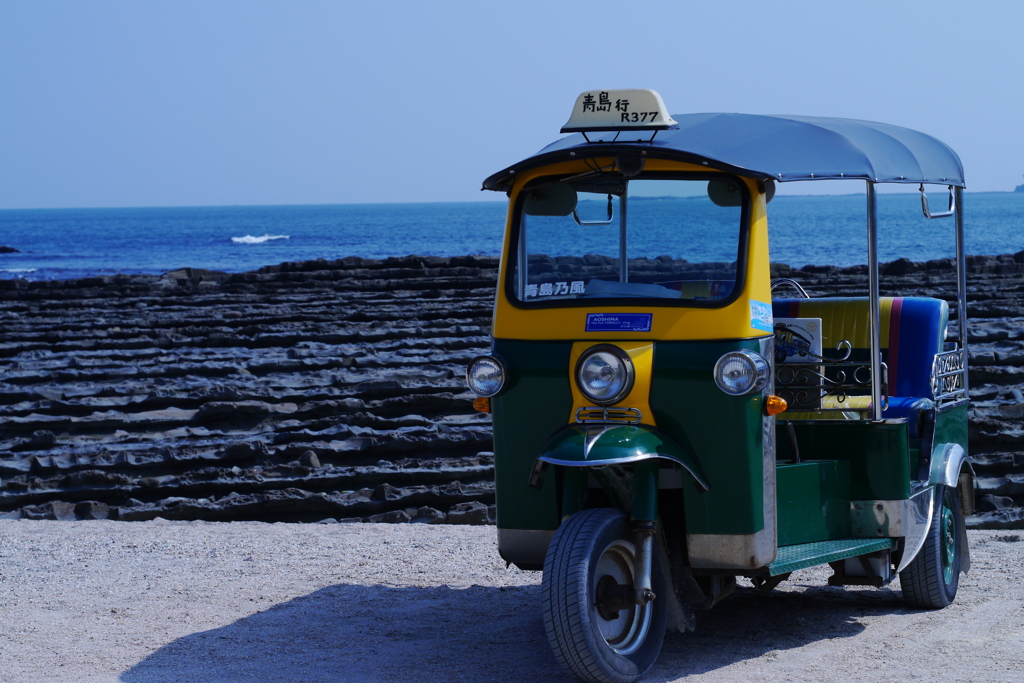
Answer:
[(948, 377), (943, 214), (581, 222), (792, 283), (594, 414)]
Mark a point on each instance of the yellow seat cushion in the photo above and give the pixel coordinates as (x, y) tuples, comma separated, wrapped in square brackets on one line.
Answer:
[(853, 408)]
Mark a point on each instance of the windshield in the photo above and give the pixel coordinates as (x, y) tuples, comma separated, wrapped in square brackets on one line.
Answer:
[(673, 240)]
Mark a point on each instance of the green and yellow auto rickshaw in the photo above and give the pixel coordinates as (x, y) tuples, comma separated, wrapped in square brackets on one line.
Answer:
[(665, 423)]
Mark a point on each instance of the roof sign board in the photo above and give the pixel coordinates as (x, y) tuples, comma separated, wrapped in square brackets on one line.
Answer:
[(597, 110)]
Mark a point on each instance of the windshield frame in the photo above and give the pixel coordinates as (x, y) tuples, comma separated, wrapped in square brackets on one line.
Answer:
[(743, 243)]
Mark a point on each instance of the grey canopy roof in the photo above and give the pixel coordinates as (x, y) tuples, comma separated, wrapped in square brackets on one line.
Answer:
[(784, 148)]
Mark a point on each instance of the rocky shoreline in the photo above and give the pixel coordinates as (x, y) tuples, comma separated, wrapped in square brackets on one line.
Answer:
[(333, 390)]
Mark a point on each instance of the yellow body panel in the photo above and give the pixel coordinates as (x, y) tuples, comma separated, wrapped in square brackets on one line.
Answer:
[(642, 356), (734, 321)]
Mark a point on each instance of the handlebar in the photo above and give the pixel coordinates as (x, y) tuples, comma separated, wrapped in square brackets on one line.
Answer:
[(929, 214)]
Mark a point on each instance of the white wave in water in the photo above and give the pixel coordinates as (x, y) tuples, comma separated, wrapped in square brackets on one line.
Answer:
[(18, 270), (249, 239)]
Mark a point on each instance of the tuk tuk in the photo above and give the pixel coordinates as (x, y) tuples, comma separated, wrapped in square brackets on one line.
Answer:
[(666, 421)]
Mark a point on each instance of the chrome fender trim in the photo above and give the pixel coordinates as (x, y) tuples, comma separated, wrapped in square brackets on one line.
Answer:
[(908, 519), (947, 461), (921, 508), (595, 445)]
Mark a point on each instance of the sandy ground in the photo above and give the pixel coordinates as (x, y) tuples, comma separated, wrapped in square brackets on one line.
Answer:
[(193, 601)]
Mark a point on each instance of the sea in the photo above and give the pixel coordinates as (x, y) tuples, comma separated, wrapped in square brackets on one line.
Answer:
[(60, 244)]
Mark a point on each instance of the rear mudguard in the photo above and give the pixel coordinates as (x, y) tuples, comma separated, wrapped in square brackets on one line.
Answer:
[(949, 467), (597, 445)]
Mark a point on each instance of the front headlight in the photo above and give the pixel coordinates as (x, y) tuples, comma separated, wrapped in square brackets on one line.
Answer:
[(742, 372), (486, 375), (604, 374)]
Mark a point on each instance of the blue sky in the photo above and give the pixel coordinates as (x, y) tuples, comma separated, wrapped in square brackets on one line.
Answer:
[(219, 103)]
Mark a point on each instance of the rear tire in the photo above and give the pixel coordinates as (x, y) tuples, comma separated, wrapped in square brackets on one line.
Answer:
[(931, 579), (592, 639)]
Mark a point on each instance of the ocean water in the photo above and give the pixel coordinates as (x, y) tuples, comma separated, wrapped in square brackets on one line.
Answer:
[(71, 243)]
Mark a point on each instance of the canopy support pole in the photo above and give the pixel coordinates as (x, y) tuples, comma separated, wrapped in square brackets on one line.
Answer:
[(623, 261), (875, 322), (961, 279), (522, 259)]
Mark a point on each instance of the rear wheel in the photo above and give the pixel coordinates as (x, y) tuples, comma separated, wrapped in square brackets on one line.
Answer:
[(595, 628), (931, 579)]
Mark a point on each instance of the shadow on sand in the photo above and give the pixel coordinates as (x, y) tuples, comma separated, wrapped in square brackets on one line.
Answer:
[(378, 633), (749, 624), (368, 633)]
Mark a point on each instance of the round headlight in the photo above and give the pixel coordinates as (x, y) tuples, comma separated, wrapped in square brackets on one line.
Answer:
[(604, 374), (741, 372), (485, 375)]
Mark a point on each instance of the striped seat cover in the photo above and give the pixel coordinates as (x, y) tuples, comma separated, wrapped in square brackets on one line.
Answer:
[(913, 330)]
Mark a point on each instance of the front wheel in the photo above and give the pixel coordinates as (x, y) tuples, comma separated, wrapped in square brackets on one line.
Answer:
[(931, 578), (597, 632)]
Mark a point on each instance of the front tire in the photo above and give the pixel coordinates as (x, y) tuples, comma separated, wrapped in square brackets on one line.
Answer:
[(594, 635), (931, 579)]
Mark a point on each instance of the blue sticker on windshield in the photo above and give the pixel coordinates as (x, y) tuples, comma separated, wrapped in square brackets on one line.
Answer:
[(761, 316), (618, 322)]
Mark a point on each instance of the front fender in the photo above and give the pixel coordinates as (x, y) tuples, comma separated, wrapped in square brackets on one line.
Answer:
[(591, 445)]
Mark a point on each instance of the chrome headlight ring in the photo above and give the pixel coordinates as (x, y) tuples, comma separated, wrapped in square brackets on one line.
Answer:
[(604, 374), (742, 372), (486, 375)]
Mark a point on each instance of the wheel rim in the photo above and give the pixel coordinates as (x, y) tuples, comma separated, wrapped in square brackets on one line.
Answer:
[(626, 632), (947, 533)]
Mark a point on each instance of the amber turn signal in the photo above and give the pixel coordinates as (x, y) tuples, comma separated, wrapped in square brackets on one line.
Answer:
[(773, 405), (483, 404)]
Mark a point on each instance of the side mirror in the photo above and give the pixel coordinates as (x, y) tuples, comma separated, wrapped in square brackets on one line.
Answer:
[(724, 193), (557, 199)]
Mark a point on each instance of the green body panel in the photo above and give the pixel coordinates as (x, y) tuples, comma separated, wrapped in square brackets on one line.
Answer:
[(723, 432), (713, 435), (951, 426), (915, 457), (594, 445), (813, 501), (535, 405), (878, 454)]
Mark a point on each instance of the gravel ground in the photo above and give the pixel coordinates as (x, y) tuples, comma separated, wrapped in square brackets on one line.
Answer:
[(194, 601)]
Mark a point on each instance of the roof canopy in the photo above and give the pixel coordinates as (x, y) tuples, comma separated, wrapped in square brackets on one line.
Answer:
[(784, 148)]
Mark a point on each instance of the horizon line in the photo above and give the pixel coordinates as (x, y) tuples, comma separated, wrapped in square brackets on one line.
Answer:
[(495, 200)]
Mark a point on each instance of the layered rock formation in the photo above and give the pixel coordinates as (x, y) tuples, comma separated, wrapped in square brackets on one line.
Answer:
[(333, 390), (298, 392)]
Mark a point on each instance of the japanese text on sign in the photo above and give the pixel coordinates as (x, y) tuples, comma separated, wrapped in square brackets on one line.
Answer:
[(554, 289), (604, 103)]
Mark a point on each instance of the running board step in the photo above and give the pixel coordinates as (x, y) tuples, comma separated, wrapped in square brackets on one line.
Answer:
[(792, 557)]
